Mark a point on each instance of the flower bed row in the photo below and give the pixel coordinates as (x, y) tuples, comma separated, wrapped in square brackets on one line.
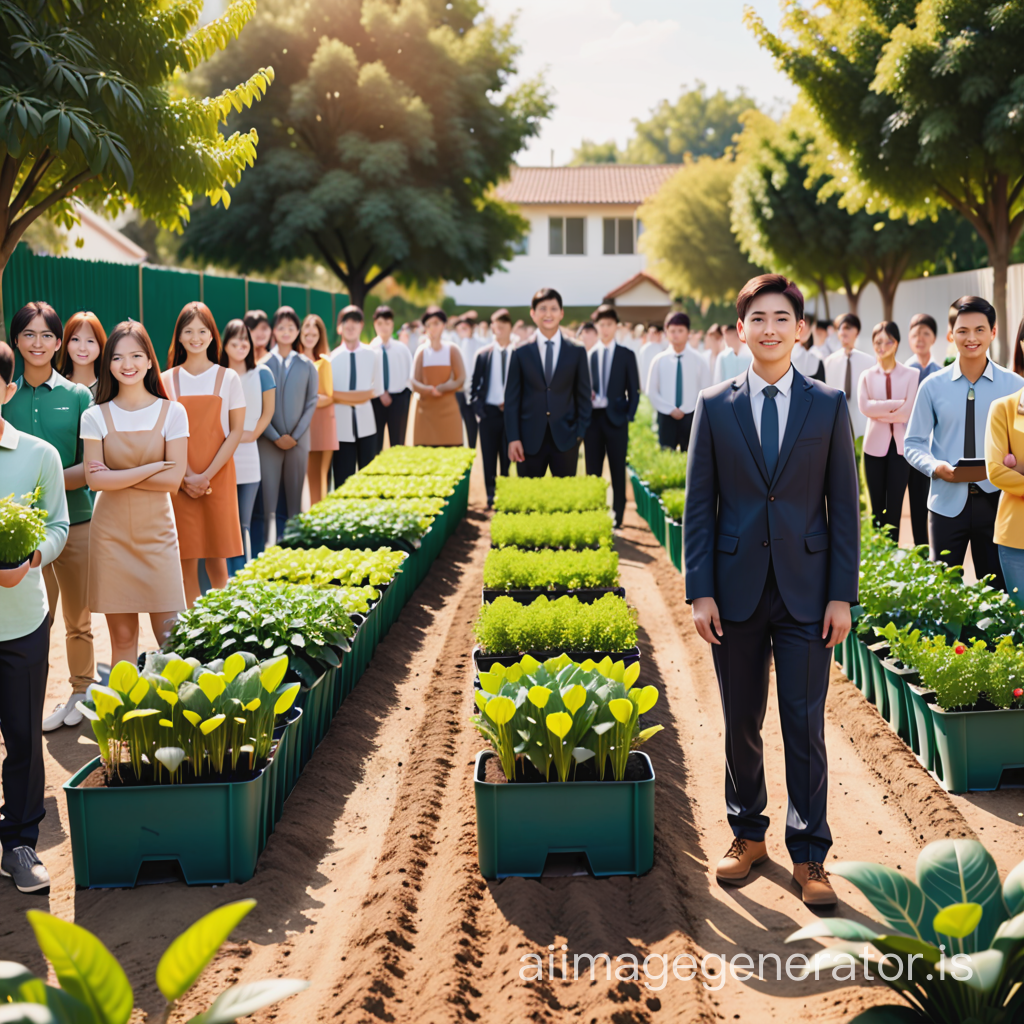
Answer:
[(941, 661), (555, 668), (198, 750)]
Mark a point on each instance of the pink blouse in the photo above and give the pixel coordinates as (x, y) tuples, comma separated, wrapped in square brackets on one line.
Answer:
[(887, 417)]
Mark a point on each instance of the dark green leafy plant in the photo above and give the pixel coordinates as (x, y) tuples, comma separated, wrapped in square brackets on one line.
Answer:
[(512, 569), (22, 527), (573, 530), (564, 624), (93, 988), (570, 494), (306, 623), (354, 522)]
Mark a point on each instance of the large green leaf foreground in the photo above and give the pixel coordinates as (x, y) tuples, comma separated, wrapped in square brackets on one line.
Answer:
[(951, 942), (93, 988)]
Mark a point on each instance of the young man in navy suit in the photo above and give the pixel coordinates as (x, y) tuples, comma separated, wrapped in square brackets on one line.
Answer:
[(547, 395), (772, 539), (487, 397), (615, 394)]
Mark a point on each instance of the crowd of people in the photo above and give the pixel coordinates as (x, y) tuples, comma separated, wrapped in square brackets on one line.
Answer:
[(148, 475)]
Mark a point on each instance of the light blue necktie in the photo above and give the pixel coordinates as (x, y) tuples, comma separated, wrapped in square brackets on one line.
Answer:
[(770, 429)]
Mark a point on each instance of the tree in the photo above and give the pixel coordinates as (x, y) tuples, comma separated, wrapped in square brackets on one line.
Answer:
[(688, 236), (89, 111), (380, 144), (695, 125), (791, 221), (925, 104)]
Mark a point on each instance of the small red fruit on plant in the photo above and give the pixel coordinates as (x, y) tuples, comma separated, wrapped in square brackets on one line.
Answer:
[(959, 649), (1018, 692)]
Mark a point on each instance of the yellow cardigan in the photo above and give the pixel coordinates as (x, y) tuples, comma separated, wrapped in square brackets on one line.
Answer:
[(1004, 435)]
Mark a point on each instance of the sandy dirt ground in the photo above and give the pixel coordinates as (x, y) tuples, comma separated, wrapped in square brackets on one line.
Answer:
[(370, 888)]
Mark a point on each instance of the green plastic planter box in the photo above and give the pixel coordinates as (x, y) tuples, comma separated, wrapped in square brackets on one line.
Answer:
[(674, 532), (519, 824), (214, 830), (877, 652), (657, 519), (640, 495), (864, 677), (922, 728), (972, 748), (899, 704)]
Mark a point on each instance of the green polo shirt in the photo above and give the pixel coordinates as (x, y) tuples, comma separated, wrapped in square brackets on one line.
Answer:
[(53, 411)]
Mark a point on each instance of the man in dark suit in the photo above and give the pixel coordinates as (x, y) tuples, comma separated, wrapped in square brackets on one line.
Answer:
[(772, 540), (547, 395), (487, 397), (615, 394)]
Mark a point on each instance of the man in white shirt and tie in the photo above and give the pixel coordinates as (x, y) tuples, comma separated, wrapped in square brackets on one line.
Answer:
[(844, 367), (356, 369), (487, 395), (391, 407), (676, 377), (654, 344)]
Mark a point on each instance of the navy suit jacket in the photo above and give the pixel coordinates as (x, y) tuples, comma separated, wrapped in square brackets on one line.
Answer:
[(531, 404), (805, 520), (623, 385), (482, 375)]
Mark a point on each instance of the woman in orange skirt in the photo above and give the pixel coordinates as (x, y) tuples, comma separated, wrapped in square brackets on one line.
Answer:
[(206, 507), (323, 431), (437, 374)]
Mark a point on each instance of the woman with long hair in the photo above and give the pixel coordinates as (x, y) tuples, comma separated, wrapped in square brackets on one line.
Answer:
[(136, 452), (284, 446), (206, 507), (323, 431), (437, 373), (84, 338), (258, 388)]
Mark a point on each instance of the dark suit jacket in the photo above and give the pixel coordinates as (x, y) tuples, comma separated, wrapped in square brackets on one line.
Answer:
[(623, 384), (531, 405), (482, 375), (805, 520)]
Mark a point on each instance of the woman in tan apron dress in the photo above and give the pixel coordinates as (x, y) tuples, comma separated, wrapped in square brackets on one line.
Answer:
[(206, 507), (134, 564), (437, 374)]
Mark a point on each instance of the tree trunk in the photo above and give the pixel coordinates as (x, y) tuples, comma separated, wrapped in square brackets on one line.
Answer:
[(999, 258), (852, 300)]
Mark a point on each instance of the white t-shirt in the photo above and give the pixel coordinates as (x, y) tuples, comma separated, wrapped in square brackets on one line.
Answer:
[(94, 427), (231, 394)]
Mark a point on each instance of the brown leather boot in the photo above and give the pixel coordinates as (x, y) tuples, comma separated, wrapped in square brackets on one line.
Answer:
[(741, 857), (815, 887)]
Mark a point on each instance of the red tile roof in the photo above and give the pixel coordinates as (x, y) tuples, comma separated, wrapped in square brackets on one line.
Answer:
[(626, 286), (593, 183)]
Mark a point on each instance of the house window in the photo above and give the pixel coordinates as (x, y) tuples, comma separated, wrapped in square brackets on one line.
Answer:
[(566, 236), (619, 236)]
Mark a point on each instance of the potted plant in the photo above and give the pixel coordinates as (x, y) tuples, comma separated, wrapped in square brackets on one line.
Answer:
[(526, 575), (22, 529), (573, 494), (674, 501), (564, 773)]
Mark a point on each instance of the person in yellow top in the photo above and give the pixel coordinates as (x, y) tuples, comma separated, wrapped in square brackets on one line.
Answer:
[(323, 432), (1004, 457)]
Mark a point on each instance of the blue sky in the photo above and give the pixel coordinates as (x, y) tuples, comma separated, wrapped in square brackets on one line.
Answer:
[(609, 61)]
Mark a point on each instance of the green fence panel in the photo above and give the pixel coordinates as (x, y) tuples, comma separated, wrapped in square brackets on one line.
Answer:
[(225, 296), (164, 292), (264, 295), (296, 296), (322, 303), (110, 290)]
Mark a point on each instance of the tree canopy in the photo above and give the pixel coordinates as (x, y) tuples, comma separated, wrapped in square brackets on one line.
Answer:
[(89, 111), (695, 125), (924, 102), (688, 235), (380, 143)]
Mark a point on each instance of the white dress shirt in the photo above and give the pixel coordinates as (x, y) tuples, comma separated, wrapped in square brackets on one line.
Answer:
[(605, 354), (469, 348), (646, 357), (835, 376), (661, 379), (496, 382), (399, 364), (369, 376), (757, 386)]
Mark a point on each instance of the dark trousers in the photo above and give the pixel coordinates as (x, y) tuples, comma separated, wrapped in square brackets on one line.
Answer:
[(24, 665), (468, 417), (493, 447), (974, 525), (919, 485), (801, 674), (674, 433), (394, 417), (887, 477), (603, 437), (548, 457), (349, 454)]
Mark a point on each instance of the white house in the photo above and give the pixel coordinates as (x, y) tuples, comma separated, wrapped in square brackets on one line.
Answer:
[(582, 238)]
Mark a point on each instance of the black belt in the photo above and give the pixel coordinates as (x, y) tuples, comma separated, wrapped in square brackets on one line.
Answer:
[(976, 489)]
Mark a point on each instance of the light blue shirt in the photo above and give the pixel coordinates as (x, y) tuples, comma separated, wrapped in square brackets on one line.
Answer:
[(935, 432), (730, 364), (924, 371)]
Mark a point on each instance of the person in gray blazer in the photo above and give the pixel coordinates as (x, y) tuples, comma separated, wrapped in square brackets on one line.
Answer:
[(284, 445)]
